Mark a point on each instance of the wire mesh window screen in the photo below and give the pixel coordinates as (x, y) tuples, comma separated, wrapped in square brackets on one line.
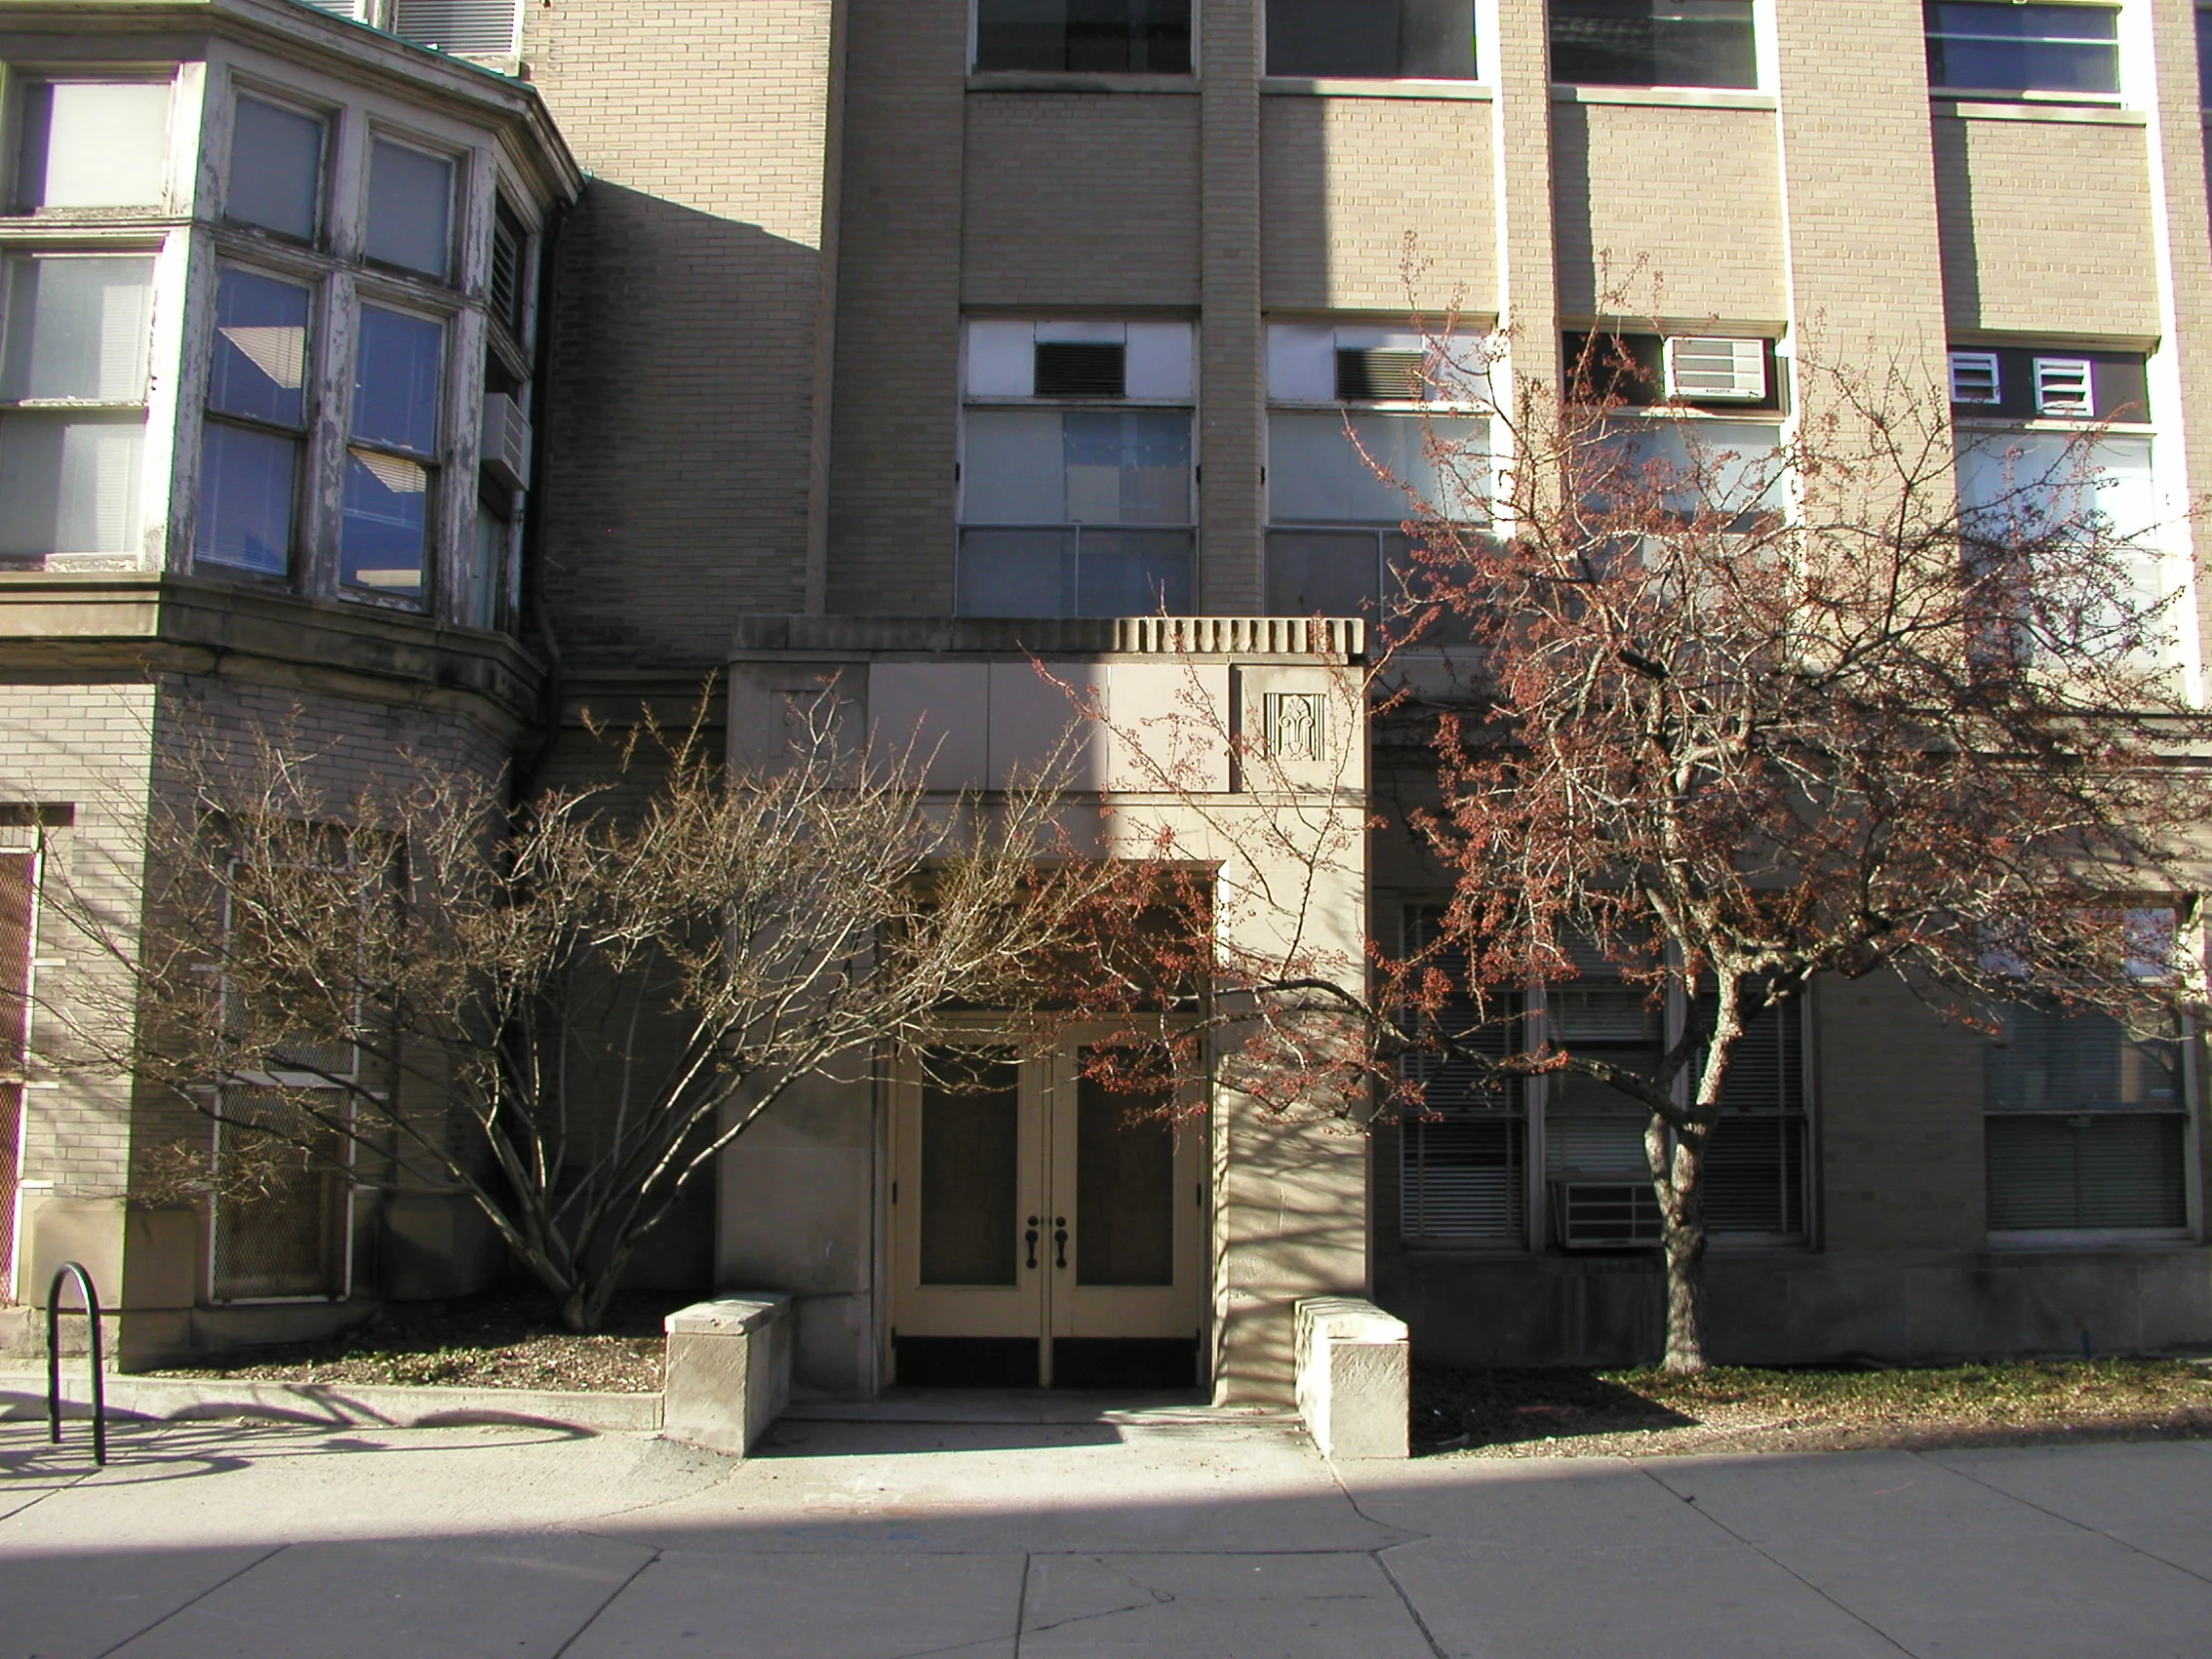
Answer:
[(282, 1215)]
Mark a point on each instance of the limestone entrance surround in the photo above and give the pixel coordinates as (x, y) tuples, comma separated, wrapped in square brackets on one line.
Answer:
[(1242, 736)]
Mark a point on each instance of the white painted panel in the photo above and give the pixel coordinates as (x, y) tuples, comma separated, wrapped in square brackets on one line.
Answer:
[(1301, 362), (1001, 359), (1171, 727), (1158, 364), (942, 709)]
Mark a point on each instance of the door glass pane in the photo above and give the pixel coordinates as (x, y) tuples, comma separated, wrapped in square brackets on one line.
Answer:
[(970, 1149), (395, 382), (276, 169), (246, 492), (93, 144), (68, 483), (76, 327), (260, 353), (410, 198), (1124, 1187)]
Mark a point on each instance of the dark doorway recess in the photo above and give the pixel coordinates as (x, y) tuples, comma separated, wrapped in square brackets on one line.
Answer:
[(1124, 1363), (968, 1361)]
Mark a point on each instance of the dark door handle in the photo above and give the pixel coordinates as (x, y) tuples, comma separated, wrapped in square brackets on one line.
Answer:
[(1029, 1239), (1060, 1239)]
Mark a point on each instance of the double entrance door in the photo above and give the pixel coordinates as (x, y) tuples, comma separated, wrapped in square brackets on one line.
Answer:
[(1047, 1229)]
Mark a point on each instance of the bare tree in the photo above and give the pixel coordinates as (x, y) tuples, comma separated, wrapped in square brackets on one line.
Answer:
[(1888, 697), (565, 1011)]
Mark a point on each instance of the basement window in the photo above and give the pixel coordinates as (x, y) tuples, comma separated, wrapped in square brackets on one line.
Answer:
[(1378, 40), (1099, 37)]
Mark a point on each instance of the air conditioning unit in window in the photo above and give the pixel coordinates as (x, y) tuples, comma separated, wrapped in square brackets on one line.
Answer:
[(1704, 371), (1605, 1215), (506, 447)]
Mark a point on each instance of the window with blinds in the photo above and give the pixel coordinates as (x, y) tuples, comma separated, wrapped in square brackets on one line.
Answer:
[(1756, 1164), (1463, 1162), (2085, 1127)]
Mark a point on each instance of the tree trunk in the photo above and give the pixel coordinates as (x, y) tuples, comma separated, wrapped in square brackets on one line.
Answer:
[(1677, 1160)]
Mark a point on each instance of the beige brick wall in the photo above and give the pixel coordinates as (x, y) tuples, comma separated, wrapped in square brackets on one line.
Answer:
[(2046, 226), (1898, 1122), (1681, 208), (1076, 200), (677, 494), (1344, 180), (897, 406)]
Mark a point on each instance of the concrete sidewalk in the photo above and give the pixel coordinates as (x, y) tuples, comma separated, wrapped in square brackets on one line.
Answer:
[(1153, 1535)]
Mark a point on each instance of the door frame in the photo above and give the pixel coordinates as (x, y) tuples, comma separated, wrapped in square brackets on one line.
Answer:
[(1046, 1050)]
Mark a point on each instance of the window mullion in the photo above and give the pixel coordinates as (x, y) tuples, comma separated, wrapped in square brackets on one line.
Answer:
[(338, 334)]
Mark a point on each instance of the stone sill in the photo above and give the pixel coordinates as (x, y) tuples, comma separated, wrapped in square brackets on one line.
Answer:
[(1687, 98), (2078, 115), (1333, 86)]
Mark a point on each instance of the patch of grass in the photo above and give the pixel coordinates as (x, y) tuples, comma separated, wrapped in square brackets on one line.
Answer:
[(1571, 1413), (511, 1340)]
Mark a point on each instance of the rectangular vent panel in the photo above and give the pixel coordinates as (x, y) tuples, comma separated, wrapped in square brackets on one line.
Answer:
[(1379, 375), (1976, 378), (1071, 369), (477, 28)]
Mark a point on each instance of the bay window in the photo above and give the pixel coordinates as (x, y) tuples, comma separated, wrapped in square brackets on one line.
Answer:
[(1076, 471), (92, 144), (276, 180), (256, 428), (391, 461), (72, 382)]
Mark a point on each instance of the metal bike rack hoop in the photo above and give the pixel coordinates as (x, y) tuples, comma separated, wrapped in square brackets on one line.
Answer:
[(91, 1296)]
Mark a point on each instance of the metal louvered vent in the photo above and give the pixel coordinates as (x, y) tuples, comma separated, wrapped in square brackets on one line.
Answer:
[(2063, 390), (473, 28), (1377, 376), (506, 268), (360, 11), (1067, 368), (1974, 377)]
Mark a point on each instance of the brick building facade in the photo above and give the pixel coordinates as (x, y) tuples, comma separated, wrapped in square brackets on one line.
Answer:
[(776, 432)]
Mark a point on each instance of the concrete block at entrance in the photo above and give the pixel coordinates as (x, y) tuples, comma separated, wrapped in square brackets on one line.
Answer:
[(729, 1371), (1354, 1377)]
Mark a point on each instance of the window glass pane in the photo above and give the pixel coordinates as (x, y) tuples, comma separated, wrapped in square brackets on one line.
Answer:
[(396, 380), (1013, 472), (1735, 459), (2086, 1172), (76, 327), (276, 169), (411, 204), (1098, 36), (970, 1174), (1124, 1187), (260, 368), (1371, 39), (1133, 572), (2042, 1060), (1016, 573), (386, 524), (2001, 47), (1128, 467), (1316, 474), (246, 496), (2020, 485), (477, 603), (1324, 572), (1653, 43), (69, 483), (2204, 60), (93, 144)]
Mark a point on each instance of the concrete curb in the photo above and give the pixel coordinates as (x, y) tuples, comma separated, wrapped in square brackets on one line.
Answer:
[(329, 1405)]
